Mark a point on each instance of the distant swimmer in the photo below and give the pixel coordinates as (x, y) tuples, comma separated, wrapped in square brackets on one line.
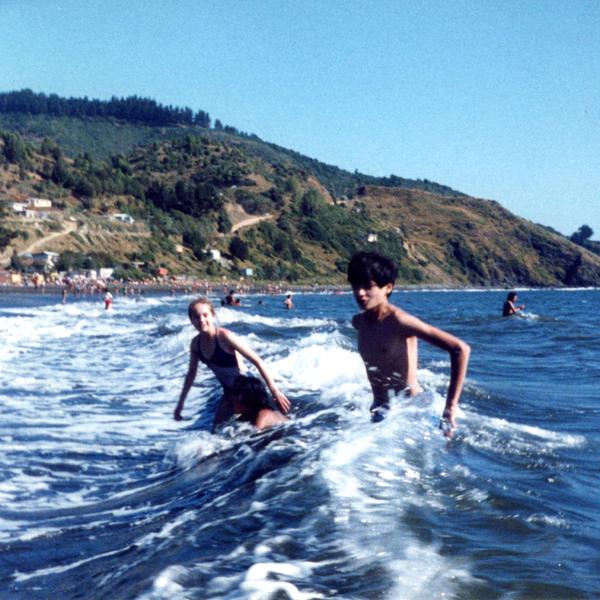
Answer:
[(108, 300), (64, 294), (220, 350), (387, 339), (231, 300), (287, 303), (510, 308)]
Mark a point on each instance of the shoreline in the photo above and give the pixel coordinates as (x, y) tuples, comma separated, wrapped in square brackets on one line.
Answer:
[(257, 289)]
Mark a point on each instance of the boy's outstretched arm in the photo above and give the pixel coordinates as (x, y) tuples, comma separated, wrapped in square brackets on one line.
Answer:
[(187, 384), (283, 403), (459, 352)]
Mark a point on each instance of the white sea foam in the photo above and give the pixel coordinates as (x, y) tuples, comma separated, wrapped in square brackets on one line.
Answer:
[(169, 585), (191, 449), (553, 521), (259, 582), (501, 435), (375, 472), (228, 316)]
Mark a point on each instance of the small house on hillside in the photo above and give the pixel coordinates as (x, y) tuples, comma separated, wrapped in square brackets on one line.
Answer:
[(372, 237), (40, 203), (215, 254), (44, 260), (123, 217)]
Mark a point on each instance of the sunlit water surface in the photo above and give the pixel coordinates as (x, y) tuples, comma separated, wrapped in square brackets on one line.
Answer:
[(103, 495)]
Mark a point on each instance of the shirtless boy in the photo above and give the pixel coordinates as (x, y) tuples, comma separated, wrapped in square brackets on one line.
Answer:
[(387, 338)]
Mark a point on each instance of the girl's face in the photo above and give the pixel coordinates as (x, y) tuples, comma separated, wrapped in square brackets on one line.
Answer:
[(203, 318)]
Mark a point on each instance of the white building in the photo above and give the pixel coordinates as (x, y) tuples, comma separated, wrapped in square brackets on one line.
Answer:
[(372, 237), (40, 203), (215, 254), (123, 217), (45, 260), (19, 207)]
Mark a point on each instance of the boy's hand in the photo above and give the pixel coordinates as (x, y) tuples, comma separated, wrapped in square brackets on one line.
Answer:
[(448, 422), (283, 403)]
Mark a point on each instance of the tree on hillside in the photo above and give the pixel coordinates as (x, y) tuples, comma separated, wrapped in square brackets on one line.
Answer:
[(132, 108), (238, 248), (6, 235), (13, 148), (582, 235), (311, 203), (223, 222)]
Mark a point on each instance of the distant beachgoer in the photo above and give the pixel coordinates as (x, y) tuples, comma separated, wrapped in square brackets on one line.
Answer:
[(387, 339), (220, 350), (288, 302), (510, 308), (108, 300), (231, 300), (64, 295)]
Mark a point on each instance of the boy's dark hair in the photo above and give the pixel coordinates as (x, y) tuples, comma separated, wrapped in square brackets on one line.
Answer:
[(511, 296), (365, 267)]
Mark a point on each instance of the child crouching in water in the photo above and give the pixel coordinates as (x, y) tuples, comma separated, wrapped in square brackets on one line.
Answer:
[(250, 403), (220, 350)]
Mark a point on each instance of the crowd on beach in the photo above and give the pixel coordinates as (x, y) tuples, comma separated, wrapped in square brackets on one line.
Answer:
[(79, 285)]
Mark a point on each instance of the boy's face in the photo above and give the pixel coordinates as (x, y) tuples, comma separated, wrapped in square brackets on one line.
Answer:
[(370, 296)]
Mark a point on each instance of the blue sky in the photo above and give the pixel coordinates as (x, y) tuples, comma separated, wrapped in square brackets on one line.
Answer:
[(500, 100)]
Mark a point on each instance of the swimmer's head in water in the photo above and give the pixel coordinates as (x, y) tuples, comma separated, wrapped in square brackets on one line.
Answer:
[(511, 296), (368, 267)]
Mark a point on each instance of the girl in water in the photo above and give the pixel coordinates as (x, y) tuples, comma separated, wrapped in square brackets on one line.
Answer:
[(219, 349)]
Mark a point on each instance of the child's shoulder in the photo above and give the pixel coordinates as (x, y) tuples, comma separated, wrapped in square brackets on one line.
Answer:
[(194, 343), (357, 320), (224, 334)]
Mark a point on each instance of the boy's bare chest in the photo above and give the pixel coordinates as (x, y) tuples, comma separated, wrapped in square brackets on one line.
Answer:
[(379, 345)]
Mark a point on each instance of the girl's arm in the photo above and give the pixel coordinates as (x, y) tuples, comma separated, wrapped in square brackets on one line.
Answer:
[(187, 384), (236, 344)]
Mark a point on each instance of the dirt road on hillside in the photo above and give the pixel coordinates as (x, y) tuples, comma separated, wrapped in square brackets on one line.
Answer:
[(69, 227), (250, 221), (6, 255)]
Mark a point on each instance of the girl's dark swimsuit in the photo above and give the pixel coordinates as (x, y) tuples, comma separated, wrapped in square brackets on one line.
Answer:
[(223, 364)]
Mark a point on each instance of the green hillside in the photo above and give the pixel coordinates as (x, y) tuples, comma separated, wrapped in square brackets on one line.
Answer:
[(192, 189)]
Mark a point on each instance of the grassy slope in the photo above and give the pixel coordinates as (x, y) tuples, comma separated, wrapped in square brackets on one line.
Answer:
[(478, 241), (443, 238)]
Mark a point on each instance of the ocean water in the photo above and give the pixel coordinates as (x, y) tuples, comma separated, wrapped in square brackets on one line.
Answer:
[(103, 495)]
